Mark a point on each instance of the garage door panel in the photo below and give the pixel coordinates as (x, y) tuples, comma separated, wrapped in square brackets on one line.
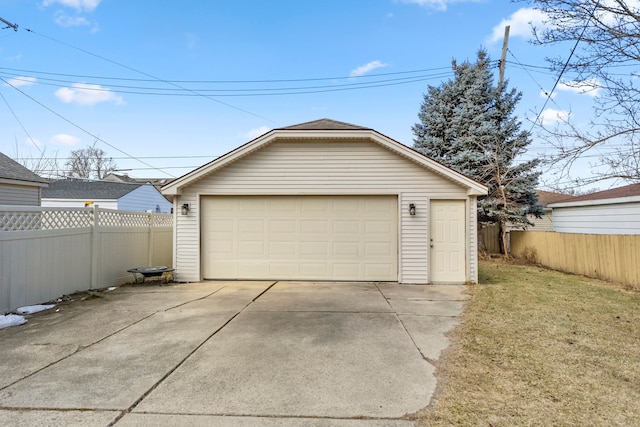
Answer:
[(282, 226), (309, 270), (282, 250), (382, 249), (300, 237), (346, 226), (313, 226), (378, 270), (348, 271), (345, 248), (313, 249)]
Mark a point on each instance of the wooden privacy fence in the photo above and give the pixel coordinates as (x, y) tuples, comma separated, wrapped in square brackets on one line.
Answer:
[(603, 256), (49, 252), (490, 238)]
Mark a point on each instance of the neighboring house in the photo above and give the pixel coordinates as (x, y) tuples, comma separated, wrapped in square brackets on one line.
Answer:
[(18, 185), (615, 211), (156, 182), (109, 195), (545, 198), (325, 200)]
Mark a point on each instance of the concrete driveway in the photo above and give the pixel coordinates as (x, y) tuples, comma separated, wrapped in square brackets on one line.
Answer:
[(229, 354)]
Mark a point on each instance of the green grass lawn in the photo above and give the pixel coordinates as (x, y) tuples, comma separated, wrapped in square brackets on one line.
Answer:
[(541, 348)]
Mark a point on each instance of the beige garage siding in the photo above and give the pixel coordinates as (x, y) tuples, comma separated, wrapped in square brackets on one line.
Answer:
[(300, 237), (323, 167)]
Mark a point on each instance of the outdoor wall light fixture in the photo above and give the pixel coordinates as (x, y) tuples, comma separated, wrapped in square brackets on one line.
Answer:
[(185, 209), (412, 209)]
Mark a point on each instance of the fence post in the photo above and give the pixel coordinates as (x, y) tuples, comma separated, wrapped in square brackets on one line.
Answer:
[(95, 247), (150, 238)]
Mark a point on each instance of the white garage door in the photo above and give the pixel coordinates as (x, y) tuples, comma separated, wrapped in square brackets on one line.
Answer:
[(300, 237)]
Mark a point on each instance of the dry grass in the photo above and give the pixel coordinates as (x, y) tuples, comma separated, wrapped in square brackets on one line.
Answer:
[(538, 347)]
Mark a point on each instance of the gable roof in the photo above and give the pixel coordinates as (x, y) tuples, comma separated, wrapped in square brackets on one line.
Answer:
[(625, 194), (323, 129), (14, 171), (324, 124), (79, 189)]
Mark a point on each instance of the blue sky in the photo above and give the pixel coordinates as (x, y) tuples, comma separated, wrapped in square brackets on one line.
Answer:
[(134, 73)]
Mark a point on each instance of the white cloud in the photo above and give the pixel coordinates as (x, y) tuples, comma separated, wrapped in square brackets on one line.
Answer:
[(67, 21), (437, 4), (87, 94), (364, 69), (64, 139), (254, 133), (21, 81), (589, 87), (551, 116), (79, 5), (520, 22)]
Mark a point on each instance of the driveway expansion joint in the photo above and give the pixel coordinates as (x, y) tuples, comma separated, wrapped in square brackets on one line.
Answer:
[(184, 359)]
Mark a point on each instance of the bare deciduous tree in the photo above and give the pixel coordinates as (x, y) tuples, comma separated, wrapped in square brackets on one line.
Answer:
[(606, 34), (43, 164), (90, 163)]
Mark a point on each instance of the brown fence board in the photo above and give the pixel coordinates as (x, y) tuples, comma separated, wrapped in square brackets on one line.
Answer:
[(605, 256)]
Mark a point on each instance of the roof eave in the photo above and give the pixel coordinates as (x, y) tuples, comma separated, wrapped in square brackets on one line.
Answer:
[(23, 182), (611, 201)]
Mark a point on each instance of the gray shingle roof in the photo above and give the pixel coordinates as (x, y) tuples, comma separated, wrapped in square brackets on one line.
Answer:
[(78, 189), (614, 193), (547, 197), (10, 169), (324, 124)]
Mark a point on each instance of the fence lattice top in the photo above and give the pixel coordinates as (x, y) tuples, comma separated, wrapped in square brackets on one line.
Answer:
[(32, 218)]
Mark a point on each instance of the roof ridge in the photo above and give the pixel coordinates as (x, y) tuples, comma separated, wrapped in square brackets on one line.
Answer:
[(324, 124)]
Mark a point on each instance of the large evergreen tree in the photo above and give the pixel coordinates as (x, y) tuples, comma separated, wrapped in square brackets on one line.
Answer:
[(468, 124)]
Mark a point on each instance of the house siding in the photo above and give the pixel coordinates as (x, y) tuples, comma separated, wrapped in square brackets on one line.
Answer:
[(19, 195), (619, 218), (324, 167), (144, 198)]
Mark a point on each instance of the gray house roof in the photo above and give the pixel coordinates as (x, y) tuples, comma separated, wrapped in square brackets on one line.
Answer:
[(10, 169), (324, 124), (78, 189)]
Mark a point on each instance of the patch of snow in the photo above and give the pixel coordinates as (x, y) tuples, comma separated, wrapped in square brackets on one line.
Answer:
[(112, 288), (11, 320), (30, 309)]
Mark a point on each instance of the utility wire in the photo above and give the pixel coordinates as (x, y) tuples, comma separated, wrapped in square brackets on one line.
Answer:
[(532, 78), (566, 64), (97, 138), (149, 75), (33, 141), (140, 90), (295, 80)]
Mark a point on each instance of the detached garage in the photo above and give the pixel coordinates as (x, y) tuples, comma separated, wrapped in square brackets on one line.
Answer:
[(325, 200)]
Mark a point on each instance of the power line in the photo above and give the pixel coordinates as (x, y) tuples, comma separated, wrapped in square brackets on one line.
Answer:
[(535, 81), (292, 80), (566, 64), (21, 125), (149, 75), (293, 90), (97, 138)]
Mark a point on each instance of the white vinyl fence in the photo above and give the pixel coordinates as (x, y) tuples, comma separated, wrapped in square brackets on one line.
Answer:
[(49, 252)]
